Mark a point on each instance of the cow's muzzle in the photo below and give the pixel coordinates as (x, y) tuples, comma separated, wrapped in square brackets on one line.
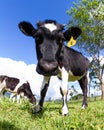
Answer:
[(47, 68)]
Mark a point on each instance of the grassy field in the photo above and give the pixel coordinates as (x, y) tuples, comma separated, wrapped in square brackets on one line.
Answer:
[(14, 116)]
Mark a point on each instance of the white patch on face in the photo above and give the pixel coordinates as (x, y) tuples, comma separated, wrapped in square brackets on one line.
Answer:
[(50, 26)]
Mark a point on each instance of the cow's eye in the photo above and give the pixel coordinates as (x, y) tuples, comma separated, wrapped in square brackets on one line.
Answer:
[(60, 40), (39, 38)]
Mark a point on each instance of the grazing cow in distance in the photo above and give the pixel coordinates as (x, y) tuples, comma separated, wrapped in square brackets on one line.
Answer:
[(17, 87), (54, 58)]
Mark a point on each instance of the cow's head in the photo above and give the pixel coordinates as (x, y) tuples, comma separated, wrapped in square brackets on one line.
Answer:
[(25, 90), (49, 38)]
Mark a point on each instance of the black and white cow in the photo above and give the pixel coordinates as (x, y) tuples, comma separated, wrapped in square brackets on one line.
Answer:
[(54, 58), (17, 87)]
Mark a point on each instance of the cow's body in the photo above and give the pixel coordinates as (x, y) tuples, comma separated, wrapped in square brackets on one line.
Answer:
[(74, 63), (54, 58), (17, 87)]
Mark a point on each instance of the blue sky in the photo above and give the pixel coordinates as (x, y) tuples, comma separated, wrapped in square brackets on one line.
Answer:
[(15, 45)]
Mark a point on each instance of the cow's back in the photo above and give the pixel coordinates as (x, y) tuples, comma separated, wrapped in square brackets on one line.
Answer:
[(11, 83)]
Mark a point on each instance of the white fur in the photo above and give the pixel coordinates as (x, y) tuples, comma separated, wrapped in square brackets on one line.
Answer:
[(64, 86), (64, 108), (18, 85), (70, 75), (64, 83), (83, 107), (50, 26), (17, 97), (45, 81), (2, 85)]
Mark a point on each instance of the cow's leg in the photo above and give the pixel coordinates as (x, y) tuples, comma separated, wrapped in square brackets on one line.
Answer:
[(19, 99), (12, 97), (43, 91), (64, 91), (2, 89), (83, 83), (1, 95)]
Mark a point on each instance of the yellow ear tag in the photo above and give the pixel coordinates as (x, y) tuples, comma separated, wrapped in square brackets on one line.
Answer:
[(72, 42)]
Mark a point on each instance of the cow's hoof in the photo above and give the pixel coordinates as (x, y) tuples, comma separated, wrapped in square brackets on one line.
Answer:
[(65, 114), (37, 109), (84, 106), (65, 111)]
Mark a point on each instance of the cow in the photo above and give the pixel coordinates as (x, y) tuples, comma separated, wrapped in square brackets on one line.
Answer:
[(17, 87), (56, 59)]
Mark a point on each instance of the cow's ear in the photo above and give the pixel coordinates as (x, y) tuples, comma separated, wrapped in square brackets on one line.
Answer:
[(27, 28), (72, 32)]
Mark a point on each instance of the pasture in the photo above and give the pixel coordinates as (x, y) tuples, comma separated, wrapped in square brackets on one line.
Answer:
[(14, 116)]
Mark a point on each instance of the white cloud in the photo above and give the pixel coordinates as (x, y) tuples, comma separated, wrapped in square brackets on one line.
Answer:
[(54, 88)]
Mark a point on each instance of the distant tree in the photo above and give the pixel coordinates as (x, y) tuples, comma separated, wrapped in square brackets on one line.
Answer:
[(73, 91), (96, 72), (78, 96), (49, 99), (89, 16)]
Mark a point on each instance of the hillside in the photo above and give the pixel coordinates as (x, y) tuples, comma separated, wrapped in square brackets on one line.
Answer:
[(15, 116)]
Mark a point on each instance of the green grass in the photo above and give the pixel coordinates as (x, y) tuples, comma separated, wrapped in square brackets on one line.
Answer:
[(15, 116)]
